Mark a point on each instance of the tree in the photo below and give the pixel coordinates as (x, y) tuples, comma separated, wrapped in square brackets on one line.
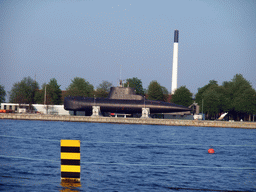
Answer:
[(103, 89), (136, 84), (242, 97), (24, 92), (165, 92), (155, 91), (2, 94), (211, 102), (245, 103), (224, 99), (237, 97), (53, 92), (80, 87), (212, 96), (182, 96), (39, 95), (199, 95)]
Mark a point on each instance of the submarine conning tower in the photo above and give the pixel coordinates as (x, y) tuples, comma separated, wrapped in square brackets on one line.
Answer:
[(124, 93)]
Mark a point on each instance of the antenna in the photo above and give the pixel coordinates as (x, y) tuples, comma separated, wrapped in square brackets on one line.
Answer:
[(120, 71)]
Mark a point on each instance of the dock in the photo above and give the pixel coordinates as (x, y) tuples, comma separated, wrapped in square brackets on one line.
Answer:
[(121, 120)]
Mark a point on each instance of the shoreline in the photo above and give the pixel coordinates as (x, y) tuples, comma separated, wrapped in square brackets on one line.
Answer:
[(121, 120)]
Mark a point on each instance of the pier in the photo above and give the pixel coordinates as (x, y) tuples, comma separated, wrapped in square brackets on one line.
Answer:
[(121, 120)]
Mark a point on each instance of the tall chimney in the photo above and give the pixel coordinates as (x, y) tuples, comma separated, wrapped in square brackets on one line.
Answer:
[(175, 61)]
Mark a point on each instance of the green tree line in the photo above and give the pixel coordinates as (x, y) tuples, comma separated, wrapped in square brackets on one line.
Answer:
[(27, 90), (237, 97)]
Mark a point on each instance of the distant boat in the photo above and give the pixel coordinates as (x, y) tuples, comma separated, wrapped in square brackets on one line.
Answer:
[(120, 100)]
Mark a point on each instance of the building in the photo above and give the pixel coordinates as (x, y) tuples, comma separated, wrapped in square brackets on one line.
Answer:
[(36, 108)]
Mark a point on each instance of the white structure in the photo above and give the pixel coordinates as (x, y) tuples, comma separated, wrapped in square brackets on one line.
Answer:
[(96, 111), (198, 117), (51, 109), (39, 108), (145, 113), (175, 62)]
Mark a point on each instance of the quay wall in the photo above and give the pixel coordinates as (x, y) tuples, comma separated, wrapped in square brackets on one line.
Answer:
[(121, 120)]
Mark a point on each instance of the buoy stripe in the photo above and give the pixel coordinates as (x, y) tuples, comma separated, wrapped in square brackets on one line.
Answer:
[(70, 149), (74, 156), (70, 168), (70, 175), (70, 143), (70, 162)]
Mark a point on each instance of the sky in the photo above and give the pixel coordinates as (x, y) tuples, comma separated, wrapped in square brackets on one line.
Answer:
[(110, 40)]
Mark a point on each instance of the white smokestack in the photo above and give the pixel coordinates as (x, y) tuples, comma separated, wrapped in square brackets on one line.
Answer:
[(175, 61)]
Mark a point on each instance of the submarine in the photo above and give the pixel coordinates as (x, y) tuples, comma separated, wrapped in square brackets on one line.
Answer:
[(120, 100)]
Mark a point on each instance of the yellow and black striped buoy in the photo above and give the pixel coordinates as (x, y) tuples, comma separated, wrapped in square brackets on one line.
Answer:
[(70, 160)]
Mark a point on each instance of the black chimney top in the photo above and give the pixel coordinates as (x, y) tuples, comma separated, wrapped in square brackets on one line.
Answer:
[(176, 36)]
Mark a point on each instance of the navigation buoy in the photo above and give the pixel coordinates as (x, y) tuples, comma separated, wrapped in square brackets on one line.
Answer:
[(70, 160), (210, 150)]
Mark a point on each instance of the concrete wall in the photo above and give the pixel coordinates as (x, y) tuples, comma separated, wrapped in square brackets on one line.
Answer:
[(147, 121), (183, 117)]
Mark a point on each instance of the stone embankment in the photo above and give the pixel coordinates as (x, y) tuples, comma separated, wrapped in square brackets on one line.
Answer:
[(121, 120)]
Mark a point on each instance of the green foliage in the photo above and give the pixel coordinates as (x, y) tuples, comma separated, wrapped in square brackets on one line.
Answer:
[(2, 94), (199, 95), (166, 93), (80, 87), (236, 97), (53, 92), (103, 89), (214, 98), (24, 92), (245, 102), (242, 97), (101, 93), (182, 96), (135, 83), (105, 85), (211, 101), (39, 95), (155, 91)]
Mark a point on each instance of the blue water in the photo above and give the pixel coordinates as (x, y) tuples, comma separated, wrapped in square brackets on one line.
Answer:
[(117, 157)]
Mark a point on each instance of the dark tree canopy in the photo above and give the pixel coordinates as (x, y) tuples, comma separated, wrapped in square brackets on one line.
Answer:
[(103, 89), (242, 97), (212, 101), (80, 87), (136, 84), (2, 94), (105, 85), (165, 92), (24, 91), (39, 95), (182, 96), (237, 97), (199, 95), (53, 92), (155, 91), (50, 94)]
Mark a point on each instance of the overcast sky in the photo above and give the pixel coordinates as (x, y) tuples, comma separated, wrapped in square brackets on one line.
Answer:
[(105, 40)]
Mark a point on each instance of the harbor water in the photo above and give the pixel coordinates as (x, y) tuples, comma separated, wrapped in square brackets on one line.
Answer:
[(126, 157)]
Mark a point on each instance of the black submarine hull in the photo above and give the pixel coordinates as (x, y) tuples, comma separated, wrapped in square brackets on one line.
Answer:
[(76, 103)]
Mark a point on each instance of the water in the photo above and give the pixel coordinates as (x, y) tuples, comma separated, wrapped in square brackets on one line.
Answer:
[(117, 157)]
